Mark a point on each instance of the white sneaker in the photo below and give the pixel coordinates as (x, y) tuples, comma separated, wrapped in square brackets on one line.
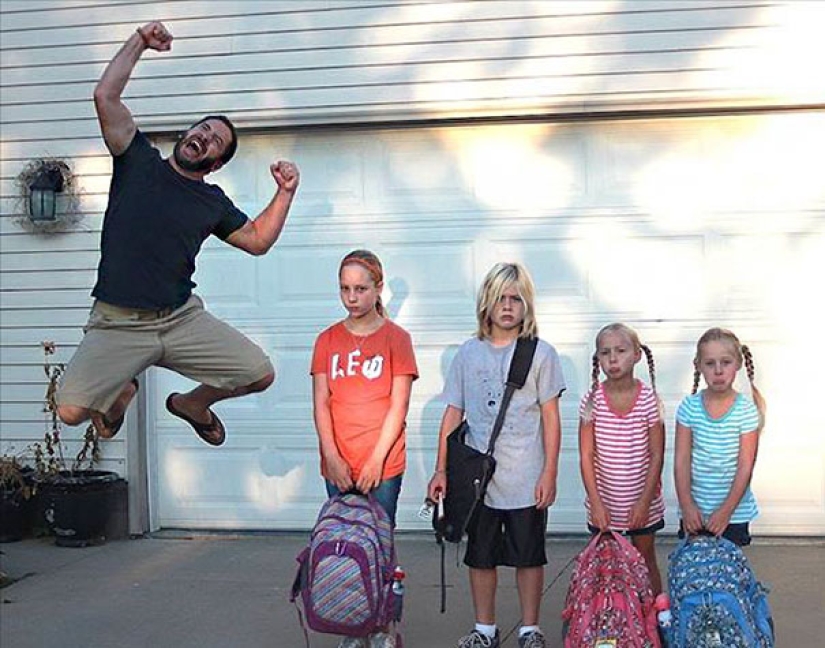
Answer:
[(382, 640), (353, 642)]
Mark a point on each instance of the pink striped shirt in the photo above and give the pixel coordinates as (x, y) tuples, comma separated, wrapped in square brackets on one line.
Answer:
[(622, 455)]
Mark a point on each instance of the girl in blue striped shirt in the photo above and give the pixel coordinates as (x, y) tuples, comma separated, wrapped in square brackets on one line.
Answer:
[(717, 436)]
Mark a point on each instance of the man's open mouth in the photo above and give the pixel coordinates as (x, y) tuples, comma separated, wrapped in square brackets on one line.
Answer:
[(196, 146)]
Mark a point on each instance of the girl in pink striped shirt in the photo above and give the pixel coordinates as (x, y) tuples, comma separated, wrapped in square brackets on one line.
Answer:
[(621, 445)]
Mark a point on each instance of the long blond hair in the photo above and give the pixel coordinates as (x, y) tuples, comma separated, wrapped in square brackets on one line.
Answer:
[(633, 337), (501, 277), (743, 356)]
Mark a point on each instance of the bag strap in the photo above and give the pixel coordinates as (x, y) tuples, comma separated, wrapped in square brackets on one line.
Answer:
[(517, 376), (522, 359)]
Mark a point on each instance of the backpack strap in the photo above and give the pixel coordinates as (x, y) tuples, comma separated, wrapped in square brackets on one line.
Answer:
[(443, 578), (623, 542), (303, 625), (517, 376), (295, 593)]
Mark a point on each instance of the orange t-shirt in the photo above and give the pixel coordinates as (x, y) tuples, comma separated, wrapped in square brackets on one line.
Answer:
[(359, 373)]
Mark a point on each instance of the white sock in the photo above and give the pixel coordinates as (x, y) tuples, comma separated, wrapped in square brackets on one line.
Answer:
[(486, 630), (525, 629)]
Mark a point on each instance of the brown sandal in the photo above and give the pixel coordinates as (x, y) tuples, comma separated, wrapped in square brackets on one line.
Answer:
[(212, 433), (107, 429)]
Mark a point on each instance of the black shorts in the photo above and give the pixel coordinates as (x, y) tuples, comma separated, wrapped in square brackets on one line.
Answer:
[(506, 537), (738, 533), (648, 530)]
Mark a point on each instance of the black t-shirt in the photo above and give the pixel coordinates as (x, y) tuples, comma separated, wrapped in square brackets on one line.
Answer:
[(154, 227)]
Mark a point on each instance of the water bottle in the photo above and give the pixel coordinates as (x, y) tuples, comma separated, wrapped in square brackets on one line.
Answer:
[(663, 616), (398, 589)]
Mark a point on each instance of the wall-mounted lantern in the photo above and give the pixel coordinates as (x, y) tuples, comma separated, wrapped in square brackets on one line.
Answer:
[(48, 196), (47, 183)]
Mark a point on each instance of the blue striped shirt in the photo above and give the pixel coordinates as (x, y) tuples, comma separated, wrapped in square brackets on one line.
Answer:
[(715, 453)]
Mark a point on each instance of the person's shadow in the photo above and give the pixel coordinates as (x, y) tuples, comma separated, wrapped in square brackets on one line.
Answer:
[(399, 292)]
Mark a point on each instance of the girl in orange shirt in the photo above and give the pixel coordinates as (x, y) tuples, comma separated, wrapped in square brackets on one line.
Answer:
[(362, 372)]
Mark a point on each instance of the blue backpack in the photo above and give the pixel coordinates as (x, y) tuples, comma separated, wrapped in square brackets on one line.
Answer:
[(716, 601)]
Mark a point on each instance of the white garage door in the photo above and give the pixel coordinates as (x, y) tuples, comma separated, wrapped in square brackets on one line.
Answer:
[(668, 225)]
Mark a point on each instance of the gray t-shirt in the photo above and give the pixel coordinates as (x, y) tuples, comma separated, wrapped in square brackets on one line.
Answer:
[(475, 385)]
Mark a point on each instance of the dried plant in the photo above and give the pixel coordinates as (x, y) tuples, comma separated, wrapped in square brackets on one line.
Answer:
[(49, 456), (14, 482)]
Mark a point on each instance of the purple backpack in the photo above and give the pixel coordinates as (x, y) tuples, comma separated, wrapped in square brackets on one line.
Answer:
[(344, 580)]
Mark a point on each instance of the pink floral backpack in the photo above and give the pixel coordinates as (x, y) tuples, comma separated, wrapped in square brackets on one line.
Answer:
[(610, 602)]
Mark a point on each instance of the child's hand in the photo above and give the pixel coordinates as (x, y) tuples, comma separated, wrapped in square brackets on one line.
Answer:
[(599, 516), (338, 472), (370, 475), (692, 519), (546, 490), (437, 488), (639, 513), (718, 521)]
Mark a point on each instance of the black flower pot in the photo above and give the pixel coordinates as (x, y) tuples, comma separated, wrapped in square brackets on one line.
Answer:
[(13, 517), (17, 507), (78, 506)]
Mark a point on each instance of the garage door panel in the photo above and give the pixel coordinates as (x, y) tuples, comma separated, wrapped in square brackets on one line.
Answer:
[(411, 168), (228, 280), (569, 505), (625, 158), (246, 181), (318, 282), (253, 290), (642, 284), (805, 490), (750, 281), (330, 183), (444, 283), (259, 487), (795, 502), (433, 365), (575, 363), (293, 379)]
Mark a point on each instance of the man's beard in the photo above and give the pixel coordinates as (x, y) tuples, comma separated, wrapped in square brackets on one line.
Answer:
[(197, 166)]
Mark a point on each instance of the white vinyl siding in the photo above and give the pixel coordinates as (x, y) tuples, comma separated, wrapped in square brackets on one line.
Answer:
[(289, 63)]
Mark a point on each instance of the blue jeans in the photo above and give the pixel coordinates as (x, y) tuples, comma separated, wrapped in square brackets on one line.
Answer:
[(386, 493)]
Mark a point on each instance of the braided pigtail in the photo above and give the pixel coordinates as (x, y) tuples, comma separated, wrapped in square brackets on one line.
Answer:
[(587, 415), (651, 364), (651, 370), (696, 376), (758, 400)]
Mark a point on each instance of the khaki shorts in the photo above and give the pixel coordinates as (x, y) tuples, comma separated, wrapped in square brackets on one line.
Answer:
[(119, 343)]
